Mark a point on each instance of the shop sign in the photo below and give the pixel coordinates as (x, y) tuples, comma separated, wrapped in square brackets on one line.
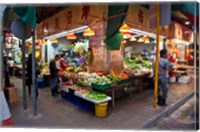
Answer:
[(182, 32), (138, 15), (70, 18), (178, 31)]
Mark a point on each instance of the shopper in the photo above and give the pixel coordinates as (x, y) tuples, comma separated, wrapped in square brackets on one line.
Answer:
[(29, 74), (164, 67), (54, 75), (63, 63), (11, 66)]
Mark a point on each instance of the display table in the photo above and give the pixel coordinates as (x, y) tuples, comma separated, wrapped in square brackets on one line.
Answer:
[(80, 100), (115, 86)]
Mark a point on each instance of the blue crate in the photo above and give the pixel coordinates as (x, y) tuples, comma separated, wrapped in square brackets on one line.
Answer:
[(86, 105), (77, 101), (64, 95), (40, 82)]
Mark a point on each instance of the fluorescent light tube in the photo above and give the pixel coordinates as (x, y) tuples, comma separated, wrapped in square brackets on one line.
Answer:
[(63, 34), (145, 33)]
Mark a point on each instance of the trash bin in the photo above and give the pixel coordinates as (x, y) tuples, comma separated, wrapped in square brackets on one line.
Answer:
[(101, 109)]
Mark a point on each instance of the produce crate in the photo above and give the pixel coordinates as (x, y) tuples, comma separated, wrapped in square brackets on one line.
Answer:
[(123, 81), (77, 101), (64, 95), (86, 105), (72, 98), (101, 87), (40, 82)]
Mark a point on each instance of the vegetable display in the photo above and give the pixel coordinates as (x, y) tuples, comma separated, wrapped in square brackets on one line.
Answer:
[(113, 78), (96, 96), (86, 78), (101, 80), (138, 66)]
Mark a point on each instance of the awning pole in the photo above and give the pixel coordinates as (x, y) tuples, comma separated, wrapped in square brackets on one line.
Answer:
[(34, 105), (2, 8), (24, 71), (157, 54)]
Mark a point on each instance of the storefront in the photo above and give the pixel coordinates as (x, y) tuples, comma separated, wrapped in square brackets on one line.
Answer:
[(97, 74)]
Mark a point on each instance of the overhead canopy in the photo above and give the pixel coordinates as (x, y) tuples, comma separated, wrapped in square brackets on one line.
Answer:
[(26, 14), (187, 7), (113, 36), (183, 12)]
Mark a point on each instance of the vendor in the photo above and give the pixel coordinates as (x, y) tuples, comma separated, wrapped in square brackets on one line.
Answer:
[(63, 63)]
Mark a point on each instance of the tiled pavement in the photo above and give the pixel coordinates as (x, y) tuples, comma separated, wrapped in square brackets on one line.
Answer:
[(130, 112)]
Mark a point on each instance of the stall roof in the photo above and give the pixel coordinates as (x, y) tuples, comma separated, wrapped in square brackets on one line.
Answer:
[(44, 12), (185, 12)]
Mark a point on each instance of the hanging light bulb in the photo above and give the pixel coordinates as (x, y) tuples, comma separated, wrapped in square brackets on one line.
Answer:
[(145, 38), (43, 42), (89, 32), (71, 36), (53, 40), (140, 40), (132, 39), (126, 35), (146, 41), (125, 28)]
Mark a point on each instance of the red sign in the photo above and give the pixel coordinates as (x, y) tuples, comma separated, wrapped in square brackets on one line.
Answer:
[(140, 16), (85, 12), (69, 18), (56, 24)]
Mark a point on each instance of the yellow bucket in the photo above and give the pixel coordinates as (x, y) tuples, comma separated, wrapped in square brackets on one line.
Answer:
[(101, 109)]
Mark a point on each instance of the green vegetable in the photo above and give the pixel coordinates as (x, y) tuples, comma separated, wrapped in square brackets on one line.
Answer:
[(96, 96)]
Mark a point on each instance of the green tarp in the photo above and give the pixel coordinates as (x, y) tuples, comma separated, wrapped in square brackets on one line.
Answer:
[(113, 36), (26, 14), (188, 7)]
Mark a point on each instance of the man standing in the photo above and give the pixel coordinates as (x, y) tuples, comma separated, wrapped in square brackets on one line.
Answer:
[(54, 75), (164, 67)]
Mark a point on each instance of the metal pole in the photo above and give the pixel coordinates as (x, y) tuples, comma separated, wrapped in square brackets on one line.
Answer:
[(24, 71), (157, 54), (34, 84), (2, 7)]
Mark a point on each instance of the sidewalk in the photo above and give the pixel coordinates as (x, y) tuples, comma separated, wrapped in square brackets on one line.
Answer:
[(182, 118), (130, 112)]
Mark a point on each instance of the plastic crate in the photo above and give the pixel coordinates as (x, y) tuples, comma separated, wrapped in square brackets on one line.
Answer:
[(64, 95), (86, 105), (123, 81), (101, 87), (41, 84)]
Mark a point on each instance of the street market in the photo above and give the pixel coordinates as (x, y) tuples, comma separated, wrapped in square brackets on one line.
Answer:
[(96, 56)]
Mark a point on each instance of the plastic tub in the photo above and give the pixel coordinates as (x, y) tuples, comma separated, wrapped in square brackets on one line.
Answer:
[(101, 109)]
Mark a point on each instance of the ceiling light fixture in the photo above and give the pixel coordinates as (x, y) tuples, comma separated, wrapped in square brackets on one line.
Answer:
[(45, 30), (125, 28), (43, 42), (126, 35), (89, 32), (53, 40), (132, 39), (187, 23), (71, 36), (140, 40)]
